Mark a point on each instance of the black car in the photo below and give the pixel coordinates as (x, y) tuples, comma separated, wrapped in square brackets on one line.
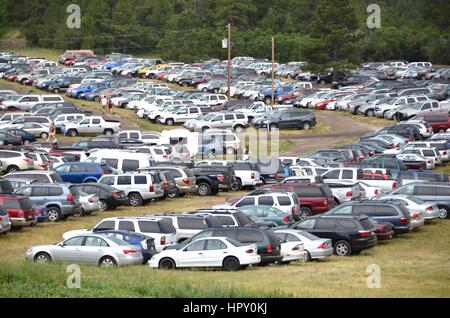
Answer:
[(9, 139), (350, 234), (269, 245), (95, 144), (381, 211), (211, 179), (290, 119), (109, 197)]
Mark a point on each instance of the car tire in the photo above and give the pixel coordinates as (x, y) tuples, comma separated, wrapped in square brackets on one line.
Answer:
[(443, 212), (238, 129), (173, 194), (72, 132), (306, 125), (342, 248), (79, 213), (211, 154), (305, 213), (12, 169), (306, 258), (231, 264), (169, 122), (442, 130), (97, 99), (216, 91), (108, 132), (370, 113), (54, 214), (203, 189), (42, 257), (237, 185), (103, 205), (56, 90), (107, 262), (272, 127), (135, 199), (44, 135), (26, 142), (167, 263)]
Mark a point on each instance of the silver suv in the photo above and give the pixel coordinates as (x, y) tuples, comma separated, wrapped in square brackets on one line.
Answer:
[(236, 121)]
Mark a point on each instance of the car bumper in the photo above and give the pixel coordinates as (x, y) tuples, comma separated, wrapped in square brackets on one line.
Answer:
[(429, 216), (251, 183), (188, 189), (255, 259), (19, 222), (5, 227), (91, 207), (291, 256), (385, 235), (267, 259), (403, 229), (321, 253), (130, 260), (417, 223), (363, 244)]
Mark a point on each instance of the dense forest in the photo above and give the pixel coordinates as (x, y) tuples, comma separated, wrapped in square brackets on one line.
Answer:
[(323, 32)]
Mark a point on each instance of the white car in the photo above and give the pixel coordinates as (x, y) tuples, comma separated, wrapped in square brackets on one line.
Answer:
[(208, 252), (293, 251), (368, 190)]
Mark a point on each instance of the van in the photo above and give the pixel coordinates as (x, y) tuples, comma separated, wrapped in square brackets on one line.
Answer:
[(121, 160), (138, 187)]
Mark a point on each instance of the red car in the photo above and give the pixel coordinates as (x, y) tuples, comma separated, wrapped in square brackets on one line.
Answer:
[(440, 122), (20, 210), (384, 231)]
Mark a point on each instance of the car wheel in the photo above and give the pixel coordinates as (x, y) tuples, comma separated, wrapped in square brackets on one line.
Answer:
[(12, 169), (305, 258), (216, 91), (204, 189), (79, 213), (231, 264), (342, 248), (135, 199), (441, 130), (173, 194), (370, 113), (73, 133), (167, 263), (211, 154), (44, 135), (443, 212), (103, 205), (42, 258), (237, 185), (26, 142), (230, 151), (56, 90), (238, 129), (272, 127), (169, 122), (108, 132), (97, 99), (54, 214), (305, 213), (306, 126), (107, 262)]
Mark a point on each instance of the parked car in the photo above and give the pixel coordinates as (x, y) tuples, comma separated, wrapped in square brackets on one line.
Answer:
[(268, 213), (350, 234), (82, 172), (20, 210), (290, 119), (60, 200), (5, 223), (429, 210), (13, 161), (91, 125), (26, 136), (39, 176), (89, 248), (109, 198)]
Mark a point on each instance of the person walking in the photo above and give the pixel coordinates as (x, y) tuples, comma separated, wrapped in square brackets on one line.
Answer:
[(104, 102), (110, 106), (52, 134)]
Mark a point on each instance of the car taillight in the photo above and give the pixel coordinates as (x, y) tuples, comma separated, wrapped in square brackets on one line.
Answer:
[(376, 191), (276, 176), (27, 160), (104, 173), (364, 233), (165, 185), (249, 251), (430, 161), (445, 153), (293, 210), (163, 240), (70, 197), (19, 138), (362, 158), (220, 177), (296, 248), (152, 188), (269, 248), (403, 220), (253, 175), (391, 146), (91, 200), (130, 251), (394, 185), (286, 219), (349, 194), (1, 218), (414, 216), (38, 212), (186, 181), (430, 208), (116, 195), (323, 245), (397, 145)]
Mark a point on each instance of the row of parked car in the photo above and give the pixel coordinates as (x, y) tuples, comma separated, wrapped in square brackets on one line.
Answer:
[(338, 201)]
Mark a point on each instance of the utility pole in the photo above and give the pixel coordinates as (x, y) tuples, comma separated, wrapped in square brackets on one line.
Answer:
[(229, 59), (273, 71)]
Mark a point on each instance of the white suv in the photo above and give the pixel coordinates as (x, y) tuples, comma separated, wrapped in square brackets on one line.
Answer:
[(158, 228), (13, 161), (287, 202), (138, 187)]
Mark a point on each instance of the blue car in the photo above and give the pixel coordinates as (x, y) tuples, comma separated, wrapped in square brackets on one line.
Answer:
[(81, 172), (81, 91), (41, 214), (27, 138), (145, 243)]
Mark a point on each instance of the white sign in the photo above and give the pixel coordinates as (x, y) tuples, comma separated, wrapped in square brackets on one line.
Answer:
[(225, 43)]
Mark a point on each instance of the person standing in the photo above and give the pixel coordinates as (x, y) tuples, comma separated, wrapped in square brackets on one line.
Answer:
[(104, 102), (110, 106), (52, 133)]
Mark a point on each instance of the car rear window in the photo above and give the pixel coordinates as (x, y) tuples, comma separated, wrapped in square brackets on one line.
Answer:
[(284, 200), (250, 236), (366, 223), (191, 223), (189, 173), (149, 226), (166, 226), (234, 242), (309, 192)]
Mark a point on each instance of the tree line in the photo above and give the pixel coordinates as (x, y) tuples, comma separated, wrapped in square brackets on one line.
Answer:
[(323, 32)]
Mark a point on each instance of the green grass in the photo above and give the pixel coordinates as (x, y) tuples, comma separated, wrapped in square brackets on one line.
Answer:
[(375, 121), (443, 169), (49, 54)]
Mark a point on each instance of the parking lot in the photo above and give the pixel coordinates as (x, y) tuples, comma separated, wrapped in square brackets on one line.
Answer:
[(327, 139)]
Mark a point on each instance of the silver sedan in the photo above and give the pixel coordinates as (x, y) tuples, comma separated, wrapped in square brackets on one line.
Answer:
[(88, 248), (429, 210), (316, 247)]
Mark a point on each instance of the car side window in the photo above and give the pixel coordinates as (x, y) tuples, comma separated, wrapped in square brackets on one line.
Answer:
[(75, 241), (307, 224), (408, 190), (331, 175), (421, 190), (196, 246), (105, 225), (246, 201), (326, 224), (94, 241), (124, 180), (39, 191), (343, 210), (126, 226), (265, 200), (108, 180), (212, 245)]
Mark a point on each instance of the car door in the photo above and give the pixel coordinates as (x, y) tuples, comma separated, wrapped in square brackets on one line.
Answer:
[(214, 253), (69, 250), (193, 112), (40, 195), (326, 228), (193, 255), (84, 126), (93, 249), (284, 121), (77, 173)]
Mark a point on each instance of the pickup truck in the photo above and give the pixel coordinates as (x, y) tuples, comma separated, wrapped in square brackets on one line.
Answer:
[(428, 106), (357, 174), (210, 180), (344, 190), (26, 102), (92, 125)]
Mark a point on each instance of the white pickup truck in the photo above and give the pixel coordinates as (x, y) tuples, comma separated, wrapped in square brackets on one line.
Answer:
[(357, 174), (26, 102), (92, 125)]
